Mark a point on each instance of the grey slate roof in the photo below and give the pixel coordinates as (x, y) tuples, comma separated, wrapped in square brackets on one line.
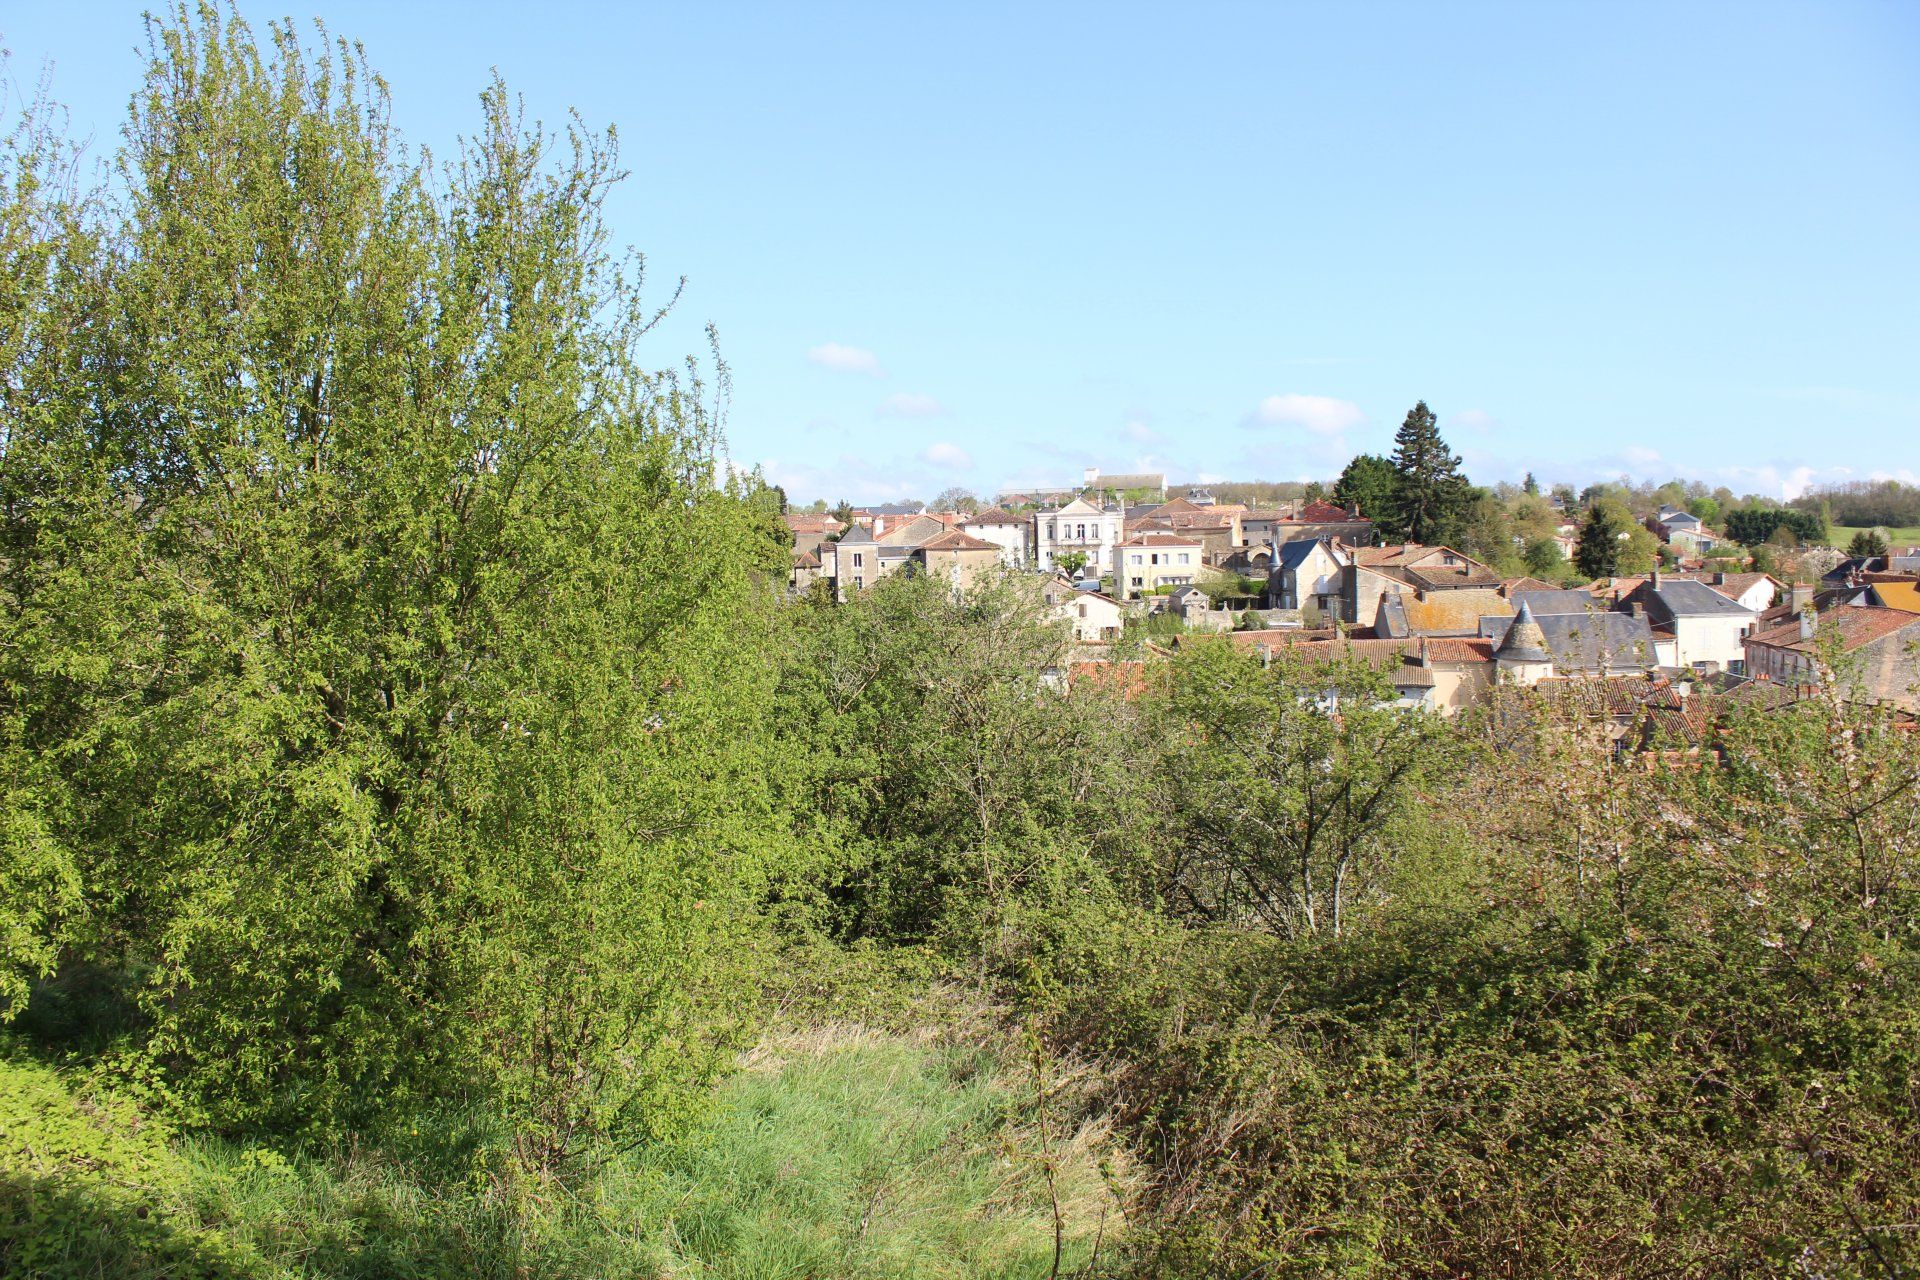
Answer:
[(1545, 603), (1294, 553), (1593, 644), (1685, 598)]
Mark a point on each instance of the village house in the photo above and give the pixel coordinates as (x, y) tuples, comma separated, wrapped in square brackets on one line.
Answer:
[(957, 558), (1882, 645), (1372, 572), (810, 532), (1096, 618), (805, 571), (1011, 533), (1306, 574), (1706, 626), (1151, 560), (1307, 520), (1568, 635), (1443, 676), (1755, 591), (1078, 528)]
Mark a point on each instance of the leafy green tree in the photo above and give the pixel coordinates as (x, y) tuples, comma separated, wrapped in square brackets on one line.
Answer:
[(1071, 562), (422, 581), (1368, 484), (1487, 532), (1544, 559), (1868, 542), (1707, 509), (1287, 807), (1430, 496), (955, 499), (1530, 486)]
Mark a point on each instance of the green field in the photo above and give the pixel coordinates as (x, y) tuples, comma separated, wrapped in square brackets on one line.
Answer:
[(1898, 538)]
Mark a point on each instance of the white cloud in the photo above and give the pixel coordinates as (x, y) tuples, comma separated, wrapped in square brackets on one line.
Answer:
[(845, 359), (1140, 433), (911, 404), (1322, 415), (1638, 455), (951, 456)]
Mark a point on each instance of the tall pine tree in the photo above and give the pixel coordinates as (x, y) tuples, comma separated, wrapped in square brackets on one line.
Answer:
[(1430, 496)]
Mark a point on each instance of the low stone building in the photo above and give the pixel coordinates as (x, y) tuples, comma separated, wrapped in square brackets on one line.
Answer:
[(1881, 646)]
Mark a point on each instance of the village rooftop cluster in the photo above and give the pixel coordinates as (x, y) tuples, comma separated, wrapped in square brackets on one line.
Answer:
[(1116, 555)]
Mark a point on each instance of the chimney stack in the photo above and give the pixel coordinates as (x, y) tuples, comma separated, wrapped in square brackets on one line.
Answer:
[(1799, 596), (1809, 622)]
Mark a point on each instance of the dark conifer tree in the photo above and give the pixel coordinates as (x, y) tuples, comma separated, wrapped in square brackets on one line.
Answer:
[(1430, 495)]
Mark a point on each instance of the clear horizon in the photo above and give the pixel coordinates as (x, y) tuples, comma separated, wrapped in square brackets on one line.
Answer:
[(990, 246)]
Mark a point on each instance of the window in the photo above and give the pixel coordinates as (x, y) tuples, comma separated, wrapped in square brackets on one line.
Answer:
[(1136, 557), (1083, 610), (1184, 558), (1080, 532), (857, 562), (1136, 582)]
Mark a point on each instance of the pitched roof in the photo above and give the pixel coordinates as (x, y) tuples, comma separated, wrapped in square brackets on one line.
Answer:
[(805, 560), (1512, 585), (1904, 596), (1856, 625), (994, 515), (1596, 643), (1685, 598), (1324, 513), (1455, 649), (1553, 601), (807, 522), (1448, 612), (954, 540), (1294, 552)]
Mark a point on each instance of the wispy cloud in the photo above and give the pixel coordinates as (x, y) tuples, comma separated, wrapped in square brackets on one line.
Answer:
[(946, 454), (1322, 415), (1138, 432), (844, 359), (1478, 421), (910, 404)]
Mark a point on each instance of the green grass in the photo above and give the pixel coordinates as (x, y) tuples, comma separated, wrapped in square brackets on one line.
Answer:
[(1840, 535), (833, 1152)]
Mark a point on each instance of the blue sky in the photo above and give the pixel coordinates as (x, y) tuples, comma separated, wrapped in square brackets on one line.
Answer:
[(985, 244)]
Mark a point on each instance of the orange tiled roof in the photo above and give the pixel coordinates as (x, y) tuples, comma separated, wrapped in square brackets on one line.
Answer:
[(1857, 625), (954, 540)]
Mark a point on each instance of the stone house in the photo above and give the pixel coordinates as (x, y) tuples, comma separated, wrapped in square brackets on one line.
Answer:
[(1151, 560), (1882, 644)]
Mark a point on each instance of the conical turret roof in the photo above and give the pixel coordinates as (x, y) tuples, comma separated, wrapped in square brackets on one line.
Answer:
[(1524, 641)]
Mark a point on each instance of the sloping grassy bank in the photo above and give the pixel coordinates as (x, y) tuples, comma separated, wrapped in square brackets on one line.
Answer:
[(835, 1151)]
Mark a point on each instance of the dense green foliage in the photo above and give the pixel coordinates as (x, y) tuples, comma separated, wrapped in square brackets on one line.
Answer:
[(1751, 526), (363, 592), (1367, 482), (1430, 496), (431, 846)]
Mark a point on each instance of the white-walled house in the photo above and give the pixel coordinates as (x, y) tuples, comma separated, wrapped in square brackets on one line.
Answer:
[(1706, 626), (1095, 617), (1080, 527), (1011, 533)]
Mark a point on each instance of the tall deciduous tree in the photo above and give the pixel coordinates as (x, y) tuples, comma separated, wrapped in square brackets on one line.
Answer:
[(1368, 484), (367, 588)]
